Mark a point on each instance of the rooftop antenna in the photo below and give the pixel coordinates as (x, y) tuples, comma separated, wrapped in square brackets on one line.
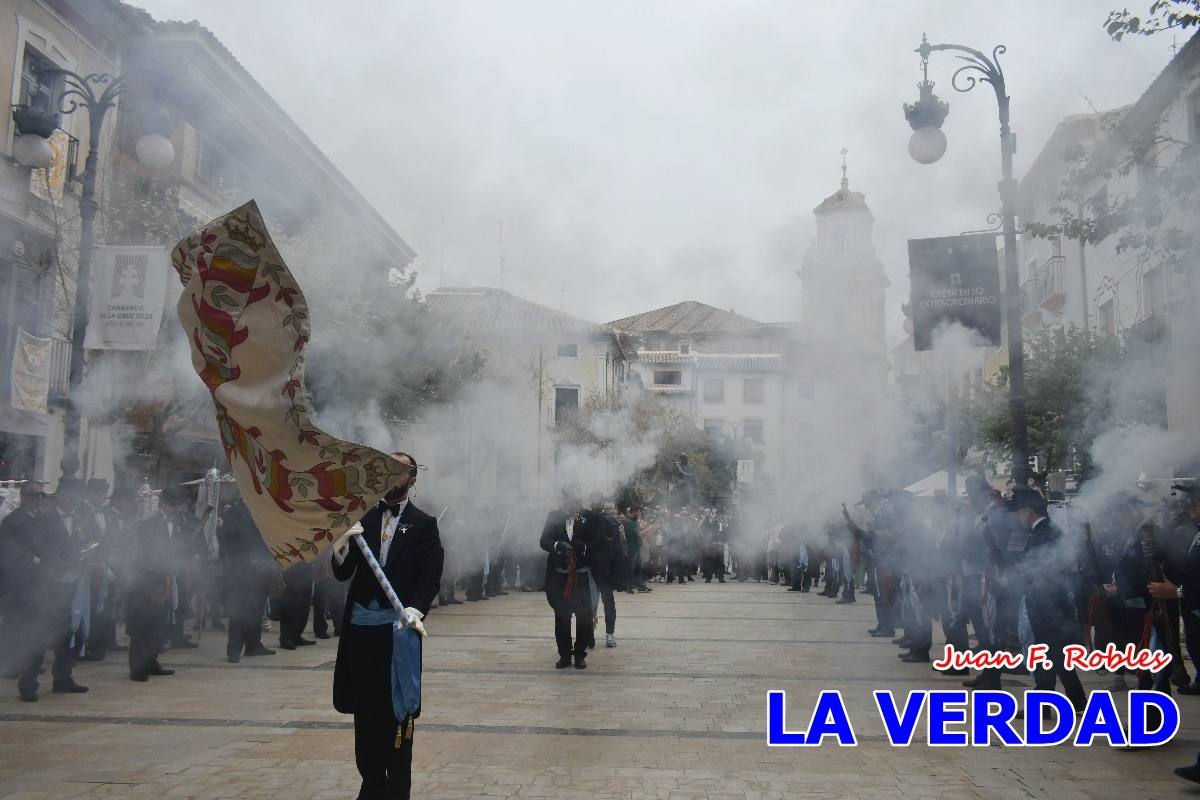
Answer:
[(562, 291), (1174, 46), (845, 180), (500, 240), (442, 254)]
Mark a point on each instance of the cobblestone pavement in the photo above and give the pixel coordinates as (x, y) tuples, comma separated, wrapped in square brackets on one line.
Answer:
[(675, 712)]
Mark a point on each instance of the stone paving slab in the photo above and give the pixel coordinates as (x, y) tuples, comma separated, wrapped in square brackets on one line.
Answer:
[(675, 712)]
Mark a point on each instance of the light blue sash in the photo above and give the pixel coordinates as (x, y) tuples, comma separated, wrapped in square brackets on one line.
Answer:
[(406, 656)]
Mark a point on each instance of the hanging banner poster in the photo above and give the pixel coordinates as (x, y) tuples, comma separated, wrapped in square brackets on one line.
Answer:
[(955, 279)]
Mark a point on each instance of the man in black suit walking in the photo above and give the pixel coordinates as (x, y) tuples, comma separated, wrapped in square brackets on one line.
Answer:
[(571, 544), (406, 543), (1045, 577)]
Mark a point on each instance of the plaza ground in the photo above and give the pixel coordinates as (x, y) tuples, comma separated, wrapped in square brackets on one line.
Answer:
[(676, 712)]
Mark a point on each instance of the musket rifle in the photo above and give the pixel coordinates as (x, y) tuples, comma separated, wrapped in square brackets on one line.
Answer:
[(864, 537), (1159, 614), (1098, 612)]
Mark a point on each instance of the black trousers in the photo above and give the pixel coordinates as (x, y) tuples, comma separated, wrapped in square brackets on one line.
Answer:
[(583, 632), (383, 754), (473, 583), (148, 631), (56, 637), (609, 600), (329, 603), (296, 602), (245, 600), (1191, 631), (714, 563), (1048, 628)]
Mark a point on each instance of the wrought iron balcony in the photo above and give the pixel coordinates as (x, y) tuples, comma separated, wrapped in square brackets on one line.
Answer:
[(1154, 329), (1031, 313), (1052, 293)]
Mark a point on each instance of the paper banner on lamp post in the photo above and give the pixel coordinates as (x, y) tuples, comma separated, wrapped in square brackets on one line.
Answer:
[(129, 288), (30, 378), (955, 279)]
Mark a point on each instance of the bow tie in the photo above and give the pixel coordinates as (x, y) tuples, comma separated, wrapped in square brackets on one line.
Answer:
[(394, 510)]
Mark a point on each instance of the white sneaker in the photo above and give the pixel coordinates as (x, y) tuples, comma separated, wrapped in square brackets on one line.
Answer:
[(610, 640)]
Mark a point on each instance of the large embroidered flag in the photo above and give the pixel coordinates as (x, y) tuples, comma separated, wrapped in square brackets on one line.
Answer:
[(247, 322)]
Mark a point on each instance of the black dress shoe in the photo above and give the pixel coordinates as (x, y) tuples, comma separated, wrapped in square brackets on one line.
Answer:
[(955, 673), (882, 634), (286, 645), (232, 657), (140, 677), (474, 598), (29, 697), (183, 644), (846, 601), (452, 601), (321, 635), (259, 651), (913, 657), (903, 641), (92, 656), (580, 662), (68, 687), (563, 662), (159, 669), (305, 642), (1191, 773)]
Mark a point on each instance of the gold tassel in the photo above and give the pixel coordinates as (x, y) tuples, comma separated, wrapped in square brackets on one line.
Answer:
[(404, 733)]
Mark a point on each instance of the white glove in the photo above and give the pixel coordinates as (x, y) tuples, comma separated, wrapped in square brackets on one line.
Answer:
[(341, 548), (411, 618)]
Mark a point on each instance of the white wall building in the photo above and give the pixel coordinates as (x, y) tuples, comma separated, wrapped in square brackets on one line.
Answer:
[(543, 366), (1121, 291)]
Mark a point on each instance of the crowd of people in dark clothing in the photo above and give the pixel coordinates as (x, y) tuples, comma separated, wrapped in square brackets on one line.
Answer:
[(76, 564), (1002, 573), (996, 572)]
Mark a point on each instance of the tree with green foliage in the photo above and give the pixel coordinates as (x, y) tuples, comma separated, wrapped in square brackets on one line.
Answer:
[(1163, 15), (643, 422), (1073, 391)]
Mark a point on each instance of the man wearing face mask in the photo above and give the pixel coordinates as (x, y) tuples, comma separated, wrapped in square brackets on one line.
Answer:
[(405, 542)]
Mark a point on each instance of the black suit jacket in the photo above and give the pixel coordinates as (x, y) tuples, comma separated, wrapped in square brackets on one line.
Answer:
[(1184, 570), (414, 563), (414, 568), (585, 536)]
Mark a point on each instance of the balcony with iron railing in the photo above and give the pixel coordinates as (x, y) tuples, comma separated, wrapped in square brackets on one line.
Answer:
[(1051, 292), (1151, 331), (1031, 312)]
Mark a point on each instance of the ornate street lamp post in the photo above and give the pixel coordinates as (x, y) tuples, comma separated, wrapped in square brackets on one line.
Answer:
[(926, 146), (96, 93)]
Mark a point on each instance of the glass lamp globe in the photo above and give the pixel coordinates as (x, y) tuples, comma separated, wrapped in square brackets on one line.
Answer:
[(927, 145), (155, 151), (32, 150)]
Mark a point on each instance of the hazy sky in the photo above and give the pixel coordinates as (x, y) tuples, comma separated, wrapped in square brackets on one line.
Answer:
[(646, 153)]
